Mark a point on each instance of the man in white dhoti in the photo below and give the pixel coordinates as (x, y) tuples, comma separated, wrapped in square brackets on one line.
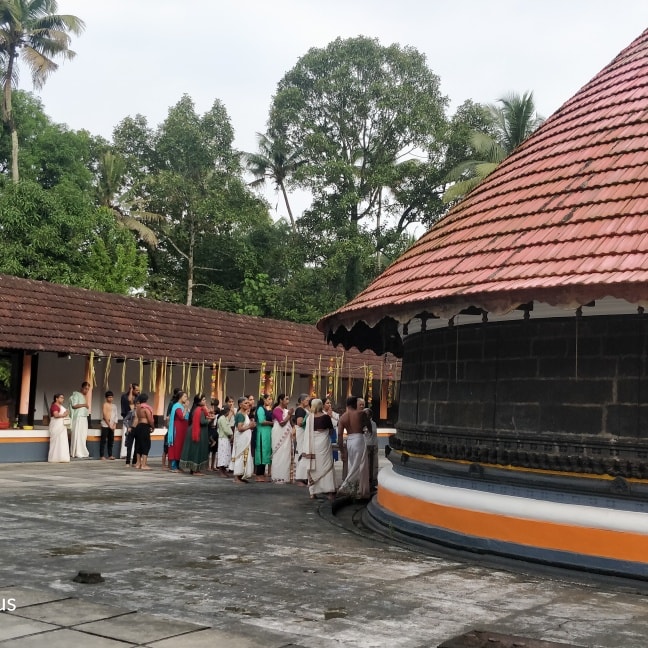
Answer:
[(79, 411), (354, 448)]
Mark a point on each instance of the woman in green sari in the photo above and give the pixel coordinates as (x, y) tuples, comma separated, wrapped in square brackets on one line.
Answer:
[(195, 452), (263, 449)]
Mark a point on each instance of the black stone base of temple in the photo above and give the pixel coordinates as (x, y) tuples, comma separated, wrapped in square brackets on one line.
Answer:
[(559, 453), (567, 395)]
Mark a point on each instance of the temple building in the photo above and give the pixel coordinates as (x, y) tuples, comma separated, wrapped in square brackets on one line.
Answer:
[(520, 319)]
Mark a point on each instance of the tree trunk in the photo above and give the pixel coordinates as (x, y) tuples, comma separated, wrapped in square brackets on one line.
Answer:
[(190, 265), (14, 150), (378, 215), (353, 268), (7, 117), (290, 214)]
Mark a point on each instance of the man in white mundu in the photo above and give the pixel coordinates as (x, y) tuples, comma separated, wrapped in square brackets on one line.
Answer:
[(79, 411), (356, 483)]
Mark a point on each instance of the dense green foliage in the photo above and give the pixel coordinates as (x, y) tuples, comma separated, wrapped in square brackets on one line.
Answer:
[(57, 235), (359, 113), (168, 209)]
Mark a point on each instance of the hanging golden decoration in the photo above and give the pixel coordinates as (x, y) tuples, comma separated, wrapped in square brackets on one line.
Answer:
[(152, 375), (212, 382), (123, 384), (91, 371), (262, 377), (330, 379), (273, 380), (200, 377), (364, 380), (107, 372), (313, 382), (285, 383)]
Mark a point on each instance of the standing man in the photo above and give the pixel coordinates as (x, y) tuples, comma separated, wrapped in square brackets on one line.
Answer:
[(127, 406), (354, 450), (128, 399), (79, 411), (109, 419)]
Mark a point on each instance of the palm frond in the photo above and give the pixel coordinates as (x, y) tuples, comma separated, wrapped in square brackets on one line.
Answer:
[(146, 234)]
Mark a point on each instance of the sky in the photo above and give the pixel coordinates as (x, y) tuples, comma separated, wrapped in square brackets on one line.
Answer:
[(141, 56)]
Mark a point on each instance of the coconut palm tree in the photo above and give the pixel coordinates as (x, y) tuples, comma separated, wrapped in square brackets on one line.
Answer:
[(512, 123), (111, 172), (276, 161), (32, 31)]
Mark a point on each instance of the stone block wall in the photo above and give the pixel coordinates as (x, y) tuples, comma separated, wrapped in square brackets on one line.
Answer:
[(566, 393)]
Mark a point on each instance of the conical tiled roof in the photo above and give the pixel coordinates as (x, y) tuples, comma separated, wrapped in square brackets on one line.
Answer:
[(563, 220)]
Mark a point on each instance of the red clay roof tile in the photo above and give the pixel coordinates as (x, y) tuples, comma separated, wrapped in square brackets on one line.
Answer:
[(568, 209), (39, 316)]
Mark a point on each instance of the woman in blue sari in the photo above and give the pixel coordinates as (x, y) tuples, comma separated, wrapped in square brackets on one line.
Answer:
[(178, 424)]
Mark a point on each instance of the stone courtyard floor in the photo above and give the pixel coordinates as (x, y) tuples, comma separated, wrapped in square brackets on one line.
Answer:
[(199, 561)]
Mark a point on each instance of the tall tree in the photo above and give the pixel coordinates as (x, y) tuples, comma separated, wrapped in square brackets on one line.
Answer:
[(275, 161), (33, 31), (509, 125), (355, 109), (186, 171)]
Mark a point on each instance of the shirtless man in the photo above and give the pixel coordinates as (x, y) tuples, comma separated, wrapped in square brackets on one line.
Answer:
[(354, 450)]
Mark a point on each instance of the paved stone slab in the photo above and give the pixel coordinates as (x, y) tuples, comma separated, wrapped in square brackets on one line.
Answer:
[(139, 628), (12, 626), (25, 596), (70, 612), (485, 639), (64, 639), (212, 638)]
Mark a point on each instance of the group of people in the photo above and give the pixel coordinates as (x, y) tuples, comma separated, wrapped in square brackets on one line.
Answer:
[(262, 441), (270, 441), (74, 418)]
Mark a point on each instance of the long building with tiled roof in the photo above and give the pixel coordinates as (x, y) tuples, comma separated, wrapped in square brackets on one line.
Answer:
[(53, 337), (42, 316), (520, 317)]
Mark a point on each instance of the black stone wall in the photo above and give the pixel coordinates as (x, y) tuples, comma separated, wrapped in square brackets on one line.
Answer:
[(566, 394)]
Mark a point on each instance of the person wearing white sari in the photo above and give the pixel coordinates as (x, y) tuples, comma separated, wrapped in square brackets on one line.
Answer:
[(317, 452), (79, 414), (225, 434), (59, 450), (301, 416), (282, 443), (242, 456)]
